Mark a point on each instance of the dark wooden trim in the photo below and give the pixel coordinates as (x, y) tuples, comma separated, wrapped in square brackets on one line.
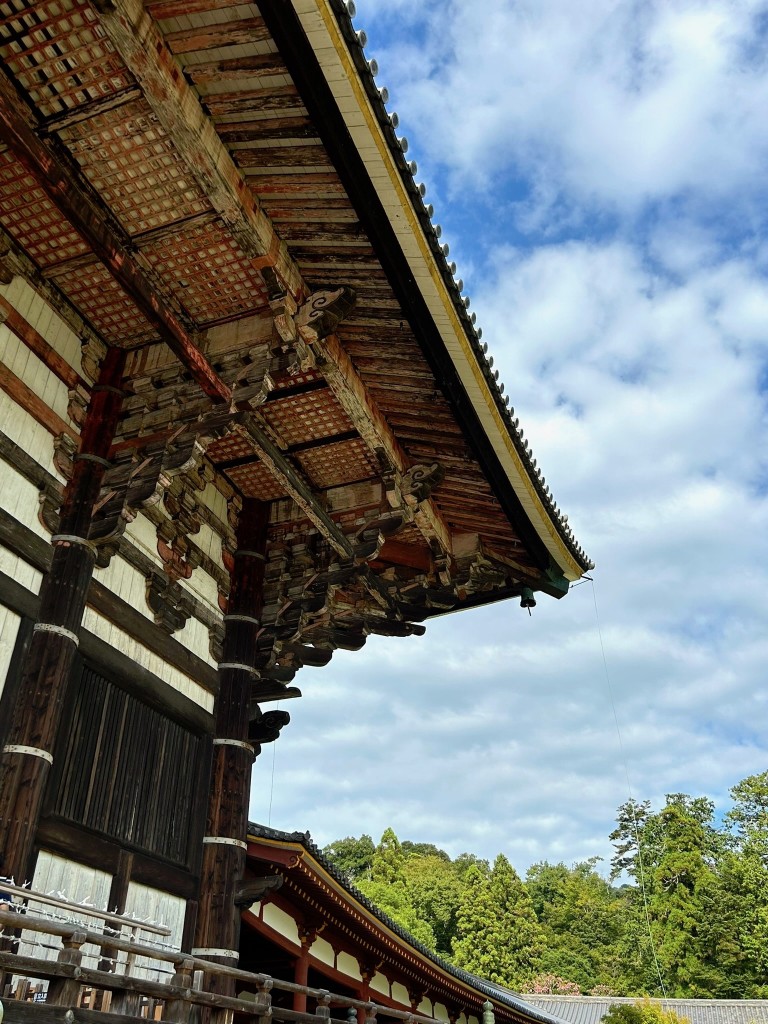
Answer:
[(25, 465), (36, 343), (118, 893), (124, 672), (190, 923), (151, 636), (31, 403), (301, 61), (11, 683), (89, 848), (35, 474), (19, 539), (144, 685)]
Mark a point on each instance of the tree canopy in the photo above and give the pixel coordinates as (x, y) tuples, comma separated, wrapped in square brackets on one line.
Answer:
[(683, 910)]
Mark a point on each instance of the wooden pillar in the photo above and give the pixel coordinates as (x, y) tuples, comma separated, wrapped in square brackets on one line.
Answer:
[(300, 977), (218, 922), (26, 758)]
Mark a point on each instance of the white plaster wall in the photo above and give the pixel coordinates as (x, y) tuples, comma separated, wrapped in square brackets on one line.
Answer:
[(21, 499), (126, 582), (20, 571), (425, 1007), (348, 965), (281, 922), (9, 629), (38, 314), (121, 641), (400, 994), (142, 533), (440, 1012), (33, 372), (323, 951), (57, 876), (30, 435), (379, 983)]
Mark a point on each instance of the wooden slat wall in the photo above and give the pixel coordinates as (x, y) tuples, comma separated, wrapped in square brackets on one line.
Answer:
[(127, 771), (159, 907), (76, 882)]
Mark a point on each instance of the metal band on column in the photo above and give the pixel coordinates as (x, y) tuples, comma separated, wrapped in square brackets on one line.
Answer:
[(233, 954), (235, 743), (49, 627), (225, 841), (19, 748)]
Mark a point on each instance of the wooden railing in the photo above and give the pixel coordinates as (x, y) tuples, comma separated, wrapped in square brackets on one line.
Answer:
[(113, 992)]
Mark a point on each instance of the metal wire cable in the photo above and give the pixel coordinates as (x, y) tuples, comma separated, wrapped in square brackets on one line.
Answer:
[(631, 797)]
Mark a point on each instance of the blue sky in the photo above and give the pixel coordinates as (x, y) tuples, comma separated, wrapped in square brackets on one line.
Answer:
[(600, 173)]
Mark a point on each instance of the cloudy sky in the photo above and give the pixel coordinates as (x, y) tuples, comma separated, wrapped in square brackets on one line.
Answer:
[(600, 171)]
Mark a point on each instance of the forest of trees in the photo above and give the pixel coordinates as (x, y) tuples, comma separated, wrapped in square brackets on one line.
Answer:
[(685, 903)]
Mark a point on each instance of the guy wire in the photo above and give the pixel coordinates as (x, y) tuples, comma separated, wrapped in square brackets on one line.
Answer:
[(272, 784), (631, 797)]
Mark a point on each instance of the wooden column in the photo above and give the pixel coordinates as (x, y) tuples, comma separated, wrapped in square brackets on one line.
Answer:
[(26, 759), (300, 977), (307, 935), (218, 922)]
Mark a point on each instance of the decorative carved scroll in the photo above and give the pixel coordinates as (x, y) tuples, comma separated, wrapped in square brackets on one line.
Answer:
[(323, 312)]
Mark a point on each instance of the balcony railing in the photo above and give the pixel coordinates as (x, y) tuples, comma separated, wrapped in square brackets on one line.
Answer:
[(97, 972)]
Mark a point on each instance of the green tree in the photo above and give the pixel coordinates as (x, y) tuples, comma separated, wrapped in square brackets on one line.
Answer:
[(642, 1012), (467, 860), (582, 917), (748, 818), (676, 902), (388, 889), (435, 890), (388, 859), (351, 857), (498, 936), (423, 850), (674, 856)]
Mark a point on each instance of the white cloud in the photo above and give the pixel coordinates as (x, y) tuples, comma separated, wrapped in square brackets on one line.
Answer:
[(636, 358), (615, 102)]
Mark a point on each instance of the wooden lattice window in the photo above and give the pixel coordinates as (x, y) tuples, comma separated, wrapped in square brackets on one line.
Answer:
[(127, 771)]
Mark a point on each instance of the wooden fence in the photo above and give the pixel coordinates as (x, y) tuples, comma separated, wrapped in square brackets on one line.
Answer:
[(89, 975)]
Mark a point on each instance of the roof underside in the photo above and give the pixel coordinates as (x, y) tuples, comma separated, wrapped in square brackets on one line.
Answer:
[(210, 159)]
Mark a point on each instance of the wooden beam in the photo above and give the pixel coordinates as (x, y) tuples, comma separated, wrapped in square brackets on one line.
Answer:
[(27, 400), (343, 379), (26, 760), (223, 856), (36, 343), (253, 66), (208, 37), (294, 483), (75, 201), (143, 49)]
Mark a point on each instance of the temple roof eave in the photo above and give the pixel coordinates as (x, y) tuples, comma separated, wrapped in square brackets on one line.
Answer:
[(313, 860), (347, 72)]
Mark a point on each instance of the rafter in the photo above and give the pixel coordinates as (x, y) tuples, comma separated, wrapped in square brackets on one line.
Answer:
[(370, 423), (74, 200), (143, 49)]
